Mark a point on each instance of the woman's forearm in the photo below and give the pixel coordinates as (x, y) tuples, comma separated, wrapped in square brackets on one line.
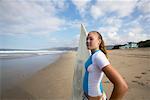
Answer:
[(120, 86), (118, 92)]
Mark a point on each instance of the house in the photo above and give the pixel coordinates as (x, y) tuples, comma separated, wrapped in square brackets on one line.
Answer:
[(129, 45)]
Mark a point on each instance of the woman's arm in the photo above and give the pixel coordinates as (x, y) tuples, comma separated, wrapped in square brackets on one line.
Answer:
[(120, 86)]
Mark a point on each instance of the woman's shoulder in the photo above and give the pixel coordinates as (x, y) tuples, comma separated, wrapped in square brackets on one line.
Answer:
[(100, 59), (98, 53)]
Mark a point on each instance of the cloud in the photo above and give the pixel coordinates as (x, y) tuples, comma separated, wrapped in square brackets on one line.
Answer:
[(118, 7), (82, 6), (96, 12), (135, 37), (110, 35), (136, 34), (114, 21), (107, 30), (119, 34), (75, 41), (113, 38), (60, 5), (144, 6), (137, 29), (29, 17)]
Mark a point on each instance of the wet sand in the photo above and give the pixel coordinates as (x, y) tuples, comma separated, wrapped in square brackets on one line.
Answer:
[(51, 83)]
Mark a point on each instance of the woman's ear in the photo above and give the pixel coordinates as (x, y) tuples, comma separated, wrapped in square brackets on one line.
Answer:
[(99, 41)]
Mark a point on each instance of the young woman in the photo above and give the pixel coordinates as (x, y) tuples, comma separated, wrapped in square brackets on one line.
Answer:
[(97, 65)]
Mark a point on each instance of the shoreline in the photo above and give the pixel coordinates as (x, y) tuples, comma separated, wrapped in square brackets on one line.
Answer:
[(48, 83), (15, 71), (24, 54)]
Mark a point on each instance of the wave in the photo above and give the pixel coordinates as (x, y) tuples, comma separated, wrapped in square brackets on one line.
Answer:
[(14, 54)]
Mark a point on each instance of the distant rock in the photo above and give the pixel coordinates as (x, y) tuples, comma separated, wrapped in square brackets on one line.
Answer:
[(64, 48)]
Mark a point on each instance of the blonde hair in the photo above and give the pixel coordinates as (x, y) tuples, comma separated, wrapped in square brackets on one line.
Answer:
[(102, 44)]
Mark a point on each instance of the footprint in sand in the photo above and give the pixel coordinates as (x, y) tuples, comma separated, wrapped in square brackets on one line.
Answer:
[(124, 78), (140, 83), (138, 77), (134, 81), (147, 80), (143, 73)]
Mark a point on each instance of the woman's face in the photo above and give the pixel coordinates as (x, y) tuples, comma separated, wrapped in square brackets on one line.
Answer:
[(92, 41)]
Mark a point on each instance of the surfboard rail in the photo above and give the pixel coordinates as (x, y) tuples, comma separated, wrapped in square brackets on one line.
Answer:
[(82, 55)]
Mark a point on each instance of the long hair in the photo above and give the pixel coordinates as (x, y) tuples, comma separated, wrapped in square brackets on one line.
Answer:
[(102, 44)]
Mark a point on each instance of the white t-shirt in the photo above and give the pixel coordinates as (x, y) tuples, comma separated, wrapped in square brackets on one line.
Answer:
[(95, 73)]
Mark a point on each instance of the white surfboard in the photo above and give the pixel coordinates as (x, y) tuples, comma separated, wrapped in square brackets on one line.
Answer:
[(82, 55)]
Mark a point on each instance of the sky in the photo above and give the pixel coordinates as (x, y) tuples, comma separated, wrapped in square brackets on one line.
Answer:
[(42, 24)]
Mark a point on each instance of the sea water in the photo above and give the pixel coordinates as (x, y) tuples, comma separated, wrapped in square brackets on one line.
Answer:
[(18, 66)]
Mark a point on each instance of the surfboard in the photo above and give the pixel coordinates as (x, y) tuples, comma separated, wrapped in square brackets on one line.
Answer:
[(82, 55)]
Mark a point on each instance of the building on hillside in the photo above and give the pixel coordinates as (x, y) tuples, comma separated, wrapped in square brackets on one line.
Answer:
[(129, 45)]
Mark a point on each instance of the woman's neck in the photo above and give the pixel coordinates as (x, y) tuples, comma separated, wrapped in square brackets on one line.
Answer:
[(94, 50)]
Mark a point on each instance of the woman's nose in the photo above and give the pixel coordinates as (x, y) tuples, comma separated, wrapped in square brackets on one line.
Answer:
[(88, 40)]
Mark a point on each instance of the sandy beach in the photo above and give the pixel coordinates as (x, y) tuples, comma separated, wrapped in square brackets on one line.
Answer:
[(55, 81), (134, 66)]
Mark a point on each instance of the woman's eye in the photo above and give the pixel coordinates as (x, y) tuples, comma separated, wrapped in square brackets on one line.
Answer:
[(91, 39)]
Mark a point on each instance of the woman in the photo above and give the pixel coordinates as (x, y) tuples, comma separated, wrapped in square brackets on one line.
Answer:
[(95, 66)]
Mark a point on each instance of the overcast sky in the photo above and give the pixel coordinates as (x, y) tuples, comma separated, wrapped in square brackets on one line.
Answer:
[(37, 24)]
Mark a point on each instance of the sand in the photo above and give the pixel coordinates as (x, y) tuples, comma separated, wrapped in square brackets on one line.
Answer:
[(134, 66), (55, 81)]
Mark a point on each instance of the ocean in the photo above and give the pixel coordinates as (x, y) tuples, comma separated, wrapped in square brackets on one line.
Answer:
[(16, 66)]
